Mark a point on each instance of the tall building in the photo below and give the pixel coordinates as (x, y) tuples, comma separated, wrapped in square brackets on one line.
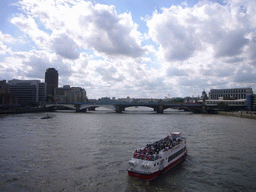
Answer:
[(51, 80), (28, 91), (236, 93)]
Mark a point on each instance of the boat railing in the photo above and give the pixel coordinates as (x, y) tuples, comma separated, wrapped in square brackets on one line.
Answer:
[(150, 154), (146, 156), (153, 157)]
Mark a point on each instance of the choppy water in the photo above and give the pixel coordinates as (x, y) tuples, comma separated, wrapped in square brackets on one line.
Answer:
[(90, 151)]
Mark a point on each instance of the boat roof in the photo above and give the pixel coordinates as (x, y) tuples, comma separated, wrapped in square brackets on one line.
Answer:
[(175, 133)]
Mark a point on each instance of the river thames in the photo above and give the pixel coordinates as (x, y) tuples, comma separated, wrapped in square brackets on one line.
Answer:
[(90, 151)]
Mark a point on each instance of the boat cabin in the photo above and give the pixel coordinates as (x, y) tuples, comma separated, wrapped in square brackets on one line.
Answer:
[(176, 136)]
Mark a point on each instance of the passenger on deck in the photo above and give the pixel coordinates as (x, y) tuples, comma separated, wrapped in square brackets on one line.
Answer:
[(151, 151)]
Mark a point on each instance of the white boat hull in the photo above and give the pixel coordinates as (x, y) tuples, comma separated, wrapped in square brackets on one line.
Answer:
[(148, 169)]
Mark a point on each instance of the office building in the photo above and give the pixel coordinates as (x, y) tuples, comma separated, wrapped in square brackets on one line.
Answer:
[(42, 92), (226, 94), (28, 91), (51, 80), (6, 98), (70, 94), (251, 102)]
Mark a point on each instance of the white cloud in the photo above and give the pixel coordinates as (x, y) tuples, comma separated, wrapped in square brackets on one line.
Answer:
[(177, 39), (252, 47), (176, 72), (27, 24), (95, 46), (231, 44), (245, 74), (96, 27), (109, 33), (181, 32), (65, 47), (3, 48), (6, 38)]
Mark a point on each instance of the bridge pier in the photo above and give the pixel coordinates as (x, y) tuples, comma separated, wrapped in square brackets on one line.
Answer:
[(80, 110), (77, 108), (119, 109), (160, 109), (91, 108)]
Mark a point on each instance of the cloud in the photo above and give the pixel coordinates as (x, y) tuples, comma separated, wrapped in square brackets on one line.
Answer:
[(176, 72), (27, 24), (85, 25), (245, 74), (177, 40), (65, 47), (36, 63), (181, 32), (219, 71), (234, 60), (231, 44), (110, 33), (252, 46), (6, 38), (32, 65), (3, 48), (99, 47), (110, 74)]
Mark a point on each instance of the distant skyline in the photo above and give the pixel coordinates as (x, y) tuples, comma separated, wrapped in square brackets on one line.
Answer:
[(140, 49)]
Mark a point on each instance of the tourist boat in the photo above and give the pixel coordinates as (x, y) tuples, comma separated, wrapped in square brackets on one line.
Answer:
[(149, 162)]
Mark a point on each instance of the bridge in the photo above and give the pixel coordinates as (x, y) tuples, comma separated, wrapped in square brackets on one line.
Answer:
[(207, 106), (119, 107)]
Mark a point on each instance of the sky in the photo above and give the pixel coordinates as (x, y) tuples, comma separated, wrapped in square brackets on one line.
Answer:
[(140, 49)]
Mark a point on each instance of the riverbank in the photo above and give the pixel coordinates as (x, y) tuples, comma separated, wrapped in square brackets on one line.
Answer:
[(243, 114), (18, 110)]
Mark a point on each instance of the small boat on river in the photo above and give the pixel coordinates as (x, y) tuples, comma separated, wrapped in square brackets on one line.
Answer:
[(46, 117), (149, 162)]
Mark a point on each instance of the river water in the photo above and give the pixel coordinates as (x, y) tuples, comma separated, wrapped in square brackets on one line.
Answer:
[(90, 151)]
